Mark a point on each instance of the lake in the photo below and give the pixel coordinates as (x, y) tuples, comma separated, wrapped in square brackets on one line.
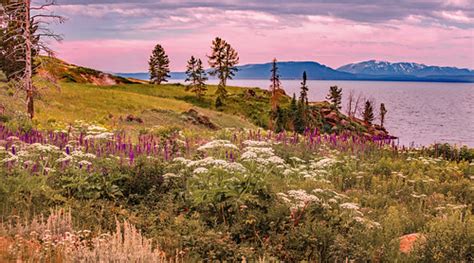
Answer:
[(419, 113)]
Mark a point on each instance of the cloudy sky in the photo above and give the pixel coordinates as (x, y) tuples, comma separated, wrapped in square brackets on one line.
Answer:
[(118, 35)]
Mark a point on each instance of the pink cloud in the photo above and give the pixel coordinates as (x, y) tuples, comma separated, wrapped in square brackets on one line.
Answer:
[(328, 40)]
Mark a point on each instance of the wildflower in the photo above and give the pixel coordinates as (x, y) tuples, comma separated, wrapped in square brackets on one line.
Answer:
[(256, 143), (323, 163), (45, 148), (65, 159), (170, 175), (12, 158), (349, 206), (84, 163), (418, 196), (297, 160), (181, 160), (217, 144), (200, 170), (276, 160)]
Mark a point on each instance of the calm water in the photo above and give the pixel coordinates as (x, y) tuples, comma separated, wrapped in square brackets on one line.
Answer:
[(419, 113)]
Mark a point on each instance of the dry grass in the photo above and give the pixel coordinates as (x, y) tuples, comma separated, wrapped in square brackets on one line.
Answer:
[(55, 240)]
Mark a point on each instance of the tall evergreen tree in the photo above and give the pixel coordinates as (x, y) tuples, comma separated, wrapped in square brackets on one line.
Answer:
[(304, 91), (293, 112), (159, 65), (276, 92), (222, 61), (383, 111), (335, 97), (368, 113), (280, 119), (197, 76)]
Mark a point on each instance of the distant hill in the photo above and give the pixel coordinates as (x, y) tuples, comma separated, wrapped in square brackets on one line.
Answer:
[(405, 69), (292, 70), (54, 68), (368, 70), (287, 70)]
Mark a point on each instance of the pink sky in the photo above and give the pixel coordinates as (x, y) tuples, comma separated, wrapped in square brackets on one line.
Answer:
[(260, 36)]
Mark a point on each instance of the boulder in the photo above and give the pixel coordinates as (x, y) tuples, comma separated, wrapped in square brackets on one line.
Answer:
[(407, 242), (196, 118), (131, 118)]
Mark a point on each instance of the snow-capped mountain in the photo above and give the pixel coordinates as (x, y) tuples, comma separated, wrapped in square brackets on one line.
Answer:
[(384, 68)]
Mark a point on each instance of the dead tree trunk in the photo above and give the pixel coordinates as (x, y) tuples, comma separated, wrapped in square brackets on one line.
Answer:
[(27, 79)]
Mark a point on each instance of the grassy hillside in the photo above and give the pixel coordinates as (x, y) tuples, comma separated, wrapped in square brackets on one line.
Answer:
[(162, 105)]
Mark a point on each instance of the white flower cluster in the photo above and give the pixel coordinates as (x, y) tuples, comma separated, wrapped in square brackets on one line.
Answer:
[(168, 176), (349, 206), (45, 148), (261, 155), (217, 144), (250, 143), (298, 198), (11, 158), (80, 154), (323, 163), (202, 166), (100, 136)]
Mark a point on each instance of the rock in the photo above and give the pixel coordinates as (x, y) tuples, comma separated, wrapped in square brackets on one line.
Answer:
[(198, 119), (407, 242), (131, 118), (250, 93), (332, 116), (344, 123)]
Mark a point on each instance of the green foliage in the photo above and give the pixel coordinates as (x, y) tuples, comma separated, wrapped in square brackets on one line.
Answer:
[(335, 97), (304, 91), (223, 61), (450, 152), (359, 204), (84, 185), (448, 239), (3, 77), (20, 121), (197, 76), (368, 113), (159, 65)]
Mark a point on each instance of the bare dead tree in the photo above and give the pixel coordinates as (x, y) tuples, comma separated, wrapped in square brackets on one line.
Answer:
[(350, 102), (358, 105), (19, 14)]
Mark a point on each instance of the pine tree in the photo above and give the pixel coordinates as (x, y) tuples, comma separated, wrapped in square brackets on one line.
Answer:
[(335, 97), (276, 91), (280, 119), (368, 113), (304, 91), (383, 111), (293, 112), (159, 66), (197, 76), (222, 61)]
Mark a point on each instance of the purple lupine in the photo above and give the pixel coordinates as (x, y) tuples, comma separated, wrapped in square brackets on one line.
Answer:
[(131, 156)]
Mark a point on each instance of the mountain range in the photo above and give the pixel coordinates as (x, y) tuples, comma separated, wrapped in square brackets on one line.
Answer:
[(367, 70)]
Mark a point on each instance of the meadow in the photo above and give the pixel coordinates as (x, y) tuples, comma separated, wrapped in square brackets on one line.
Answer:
[(81, 183)]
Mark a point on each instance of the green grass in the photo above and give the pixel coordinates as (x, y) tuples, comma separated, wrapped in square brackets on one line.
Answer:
[(157, 105)]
